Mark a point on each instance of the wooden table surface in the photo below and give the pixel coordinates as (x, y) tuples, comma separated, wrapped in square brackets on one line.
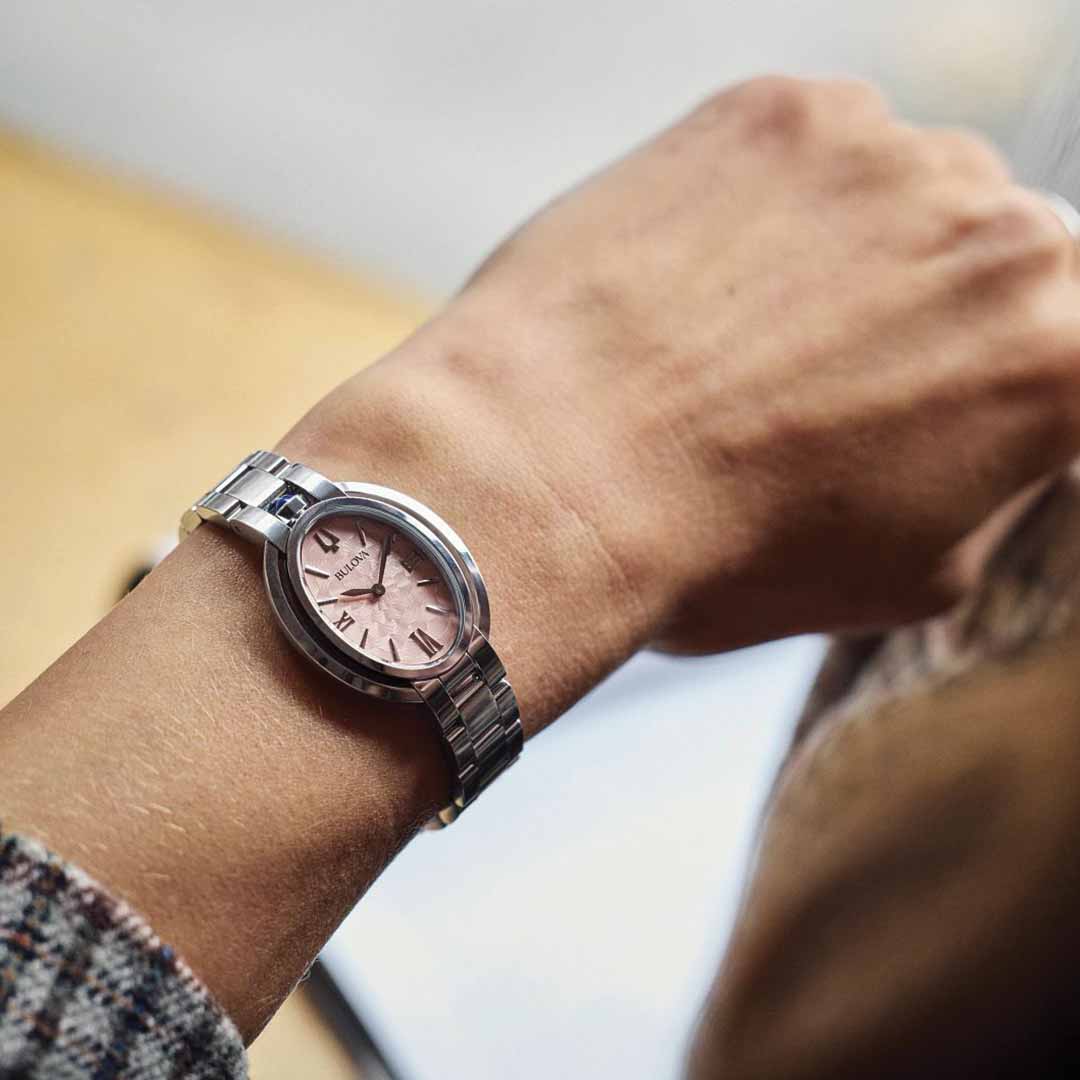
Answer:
[(146, 346)]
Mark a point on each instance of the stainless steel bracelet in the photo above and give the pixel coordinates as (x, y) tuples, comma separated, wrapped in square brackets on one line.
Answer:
[(260, 499), (474, 704), (479, 718)]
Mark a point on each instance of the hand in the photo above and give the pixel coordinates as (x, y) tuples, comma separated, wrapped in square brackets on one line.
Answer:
[(829, 345), (814, 344), (388, 542), (772, 369), (375, 590)]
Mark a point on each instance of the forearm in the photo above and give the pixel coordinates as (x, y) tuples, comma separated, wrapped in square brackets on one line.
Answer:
[(187, 757)]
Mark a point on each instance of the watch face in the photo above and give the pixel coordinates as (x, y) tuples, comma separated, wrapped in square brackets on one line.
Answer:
[(379, 589)]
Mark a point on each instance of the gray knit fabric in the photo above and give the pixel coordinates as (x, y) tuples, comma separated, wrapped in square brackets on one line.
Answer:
[(88, 991)]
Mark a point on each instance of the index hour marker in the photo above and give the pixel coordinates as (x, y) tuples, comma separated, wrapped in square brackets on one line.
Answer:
[(427, 581), (393, 651), (315, 571), (363, 535), (436, 610), (328, 600)]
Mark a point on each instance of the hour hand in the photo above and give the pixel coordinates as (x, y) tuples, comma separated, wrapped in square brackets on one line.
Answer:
[(357, 592)]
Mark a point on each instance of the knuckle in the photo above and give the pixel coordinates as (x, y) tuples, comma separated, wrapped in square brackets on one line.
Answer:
[(1037, 339), (784, 109), (1018, 235), (888, 158), (1024, 218), (970, 152), (1053, 342), (859, 93), (773, 106)]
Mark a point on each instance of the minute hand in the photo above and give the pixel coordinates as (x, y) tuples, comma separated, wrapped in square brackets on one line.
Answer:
[(385, 553)]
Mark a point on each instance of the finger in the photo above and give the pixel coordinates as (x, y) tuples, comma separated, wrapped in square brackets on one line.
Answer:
[(1065, 212), (1068, 216), (966, 564)]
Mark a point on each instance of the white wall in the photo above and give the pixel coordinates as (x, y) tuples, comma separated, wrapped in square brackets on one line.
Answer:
[(410, 136)]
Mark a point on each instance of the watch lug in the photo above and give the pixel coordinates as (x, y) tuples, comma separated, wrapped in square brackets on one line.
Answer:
[(485, 658), (310, 482), (257, 526)]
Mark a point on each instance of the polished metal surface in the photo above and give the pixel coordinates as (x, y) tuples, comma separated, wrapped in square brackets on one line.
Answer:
[(271, 501), (479, 719), (260, 499)]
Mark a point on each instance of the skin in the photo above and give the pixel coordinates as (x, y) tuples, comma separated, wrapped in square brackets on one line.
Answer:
[(769, 373)]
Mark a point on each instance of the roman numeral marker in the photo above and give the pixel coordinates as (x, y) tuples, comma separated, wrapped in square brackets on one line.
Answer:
[(315, 572), (426, 642), (344, 622), (327, 540)]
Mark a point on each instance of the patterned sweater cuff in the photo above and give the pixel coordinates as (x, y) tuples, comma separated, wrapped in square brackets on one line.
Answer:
[(88, 990)]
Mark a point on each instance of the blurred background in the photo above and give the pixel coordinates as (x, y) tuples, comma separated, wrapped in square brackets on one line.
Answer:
[(210, 213)]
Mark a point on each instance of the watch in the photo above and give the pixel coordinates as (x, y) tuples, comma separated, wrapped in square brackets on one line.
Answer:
[(378, 591)]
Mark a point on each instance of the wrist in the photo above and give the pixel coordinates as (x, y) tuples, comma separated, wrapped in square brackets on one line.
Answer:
[(468, 422)]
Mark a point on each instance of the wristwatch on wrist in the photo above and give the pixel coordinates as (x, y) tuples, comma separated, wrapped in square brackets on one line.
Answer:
[(378, 591)]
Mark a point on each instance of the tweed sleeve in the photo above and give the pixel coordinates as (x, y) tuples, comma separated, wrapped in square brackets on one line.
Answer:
[(88, 991)]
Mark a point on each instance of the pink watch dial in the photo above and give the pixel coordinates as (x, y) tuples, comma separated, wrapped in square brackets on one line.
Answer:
[(377, 591)]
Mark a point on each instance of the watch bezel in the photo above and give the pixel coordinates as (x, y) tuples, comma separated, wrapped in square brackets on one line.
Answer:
[(302, 624)]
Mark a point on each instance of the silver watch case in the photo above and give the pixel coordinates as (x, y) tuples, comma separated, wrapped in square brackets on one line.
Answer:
[(296, 615)]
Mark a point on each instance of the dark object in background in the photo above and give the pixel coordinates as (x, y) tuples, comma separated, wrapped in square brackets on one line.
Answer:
[(346, 1026)]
